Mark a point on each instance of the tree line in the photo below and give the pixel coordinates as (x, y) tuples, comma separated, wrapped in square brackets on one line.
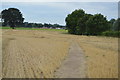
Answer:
[(81, 23), (78, 22), (40, 25)]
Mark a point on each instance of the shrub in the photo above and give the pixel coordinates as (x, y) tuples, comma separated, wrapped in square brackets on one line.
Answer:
[(111, 33)]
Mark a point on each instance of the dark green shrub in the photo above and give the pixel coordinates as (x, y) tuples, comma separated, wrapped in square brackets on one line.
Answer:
[(111, 33)]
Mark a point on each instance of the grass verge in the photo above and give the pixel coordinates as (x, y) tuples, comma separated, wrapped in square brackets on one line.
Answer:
[(22, 28)]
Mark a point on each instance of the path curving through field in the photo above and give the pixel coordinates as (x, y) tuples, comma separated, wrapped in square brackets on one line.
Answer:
[(74, 65)]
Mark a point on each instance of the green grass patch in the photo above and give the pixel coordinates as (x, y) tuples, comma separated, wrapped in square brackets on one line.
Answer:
[(5, 28), (22, 28)]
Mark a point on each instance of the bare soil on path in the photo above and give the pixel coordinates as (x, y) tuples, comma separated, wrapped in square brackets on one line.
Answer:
[(74, 65)]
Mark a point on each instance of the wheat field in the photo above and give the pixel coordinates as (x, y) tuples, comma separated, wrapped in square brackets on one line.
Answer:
[(38, 54), (101, 55)]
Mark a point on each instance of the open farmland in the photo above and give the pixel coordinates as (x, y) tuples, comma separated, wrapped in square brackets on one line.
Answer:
[(0, 53), (45, 54)]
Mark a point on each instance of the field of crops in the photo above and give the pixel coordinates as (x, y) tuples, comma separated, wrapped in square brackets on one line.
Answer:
[(40, 53), (101, 55), (0, 53)]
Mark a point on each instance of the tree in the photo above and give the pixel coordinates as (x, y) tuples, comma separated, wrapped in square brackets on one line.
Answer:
[(116, 25), (97, 24), (111, 24), (73, 21), (81, 25), (12, 17), (40, 25), (79, 22)]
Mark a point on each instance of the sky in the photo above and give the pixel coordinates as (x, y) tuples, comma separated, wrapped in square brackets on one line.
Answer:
[(56, 12), (59, 0)]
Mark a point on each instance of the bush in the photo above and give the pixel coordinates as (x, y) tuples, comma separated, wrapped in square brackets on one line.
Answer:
[(111, 33)]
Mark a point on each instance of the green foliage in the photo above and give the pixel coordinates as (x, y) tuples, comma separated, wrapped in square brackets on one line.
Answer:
[(111, 33), (23, 28), (81, 23), (40, 25), (116, 25), (12, 17), (73, 21), (97, 24)]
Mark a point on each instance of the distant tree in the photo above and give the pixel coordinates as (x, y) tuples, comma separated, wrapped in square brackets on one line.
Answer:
[(46, 25), (112, 21), (56, 25), (30, 25), (40, 25), (81, 25), (116, 25), (79, 22), (25, 24), (12, 17), (111, 24)]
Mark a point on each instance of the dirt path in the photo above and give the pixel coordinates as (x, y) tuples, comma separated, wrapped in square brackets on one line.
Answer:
[(74, 65)]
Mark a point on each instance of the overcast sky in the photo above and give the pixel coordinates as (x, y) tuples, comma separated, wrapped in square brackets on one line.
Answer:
[(55, 12), (59, 0)]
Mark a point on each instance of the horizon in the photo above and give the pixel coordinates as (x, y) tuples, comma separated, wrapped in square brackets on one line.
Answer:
[(56, 12)]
